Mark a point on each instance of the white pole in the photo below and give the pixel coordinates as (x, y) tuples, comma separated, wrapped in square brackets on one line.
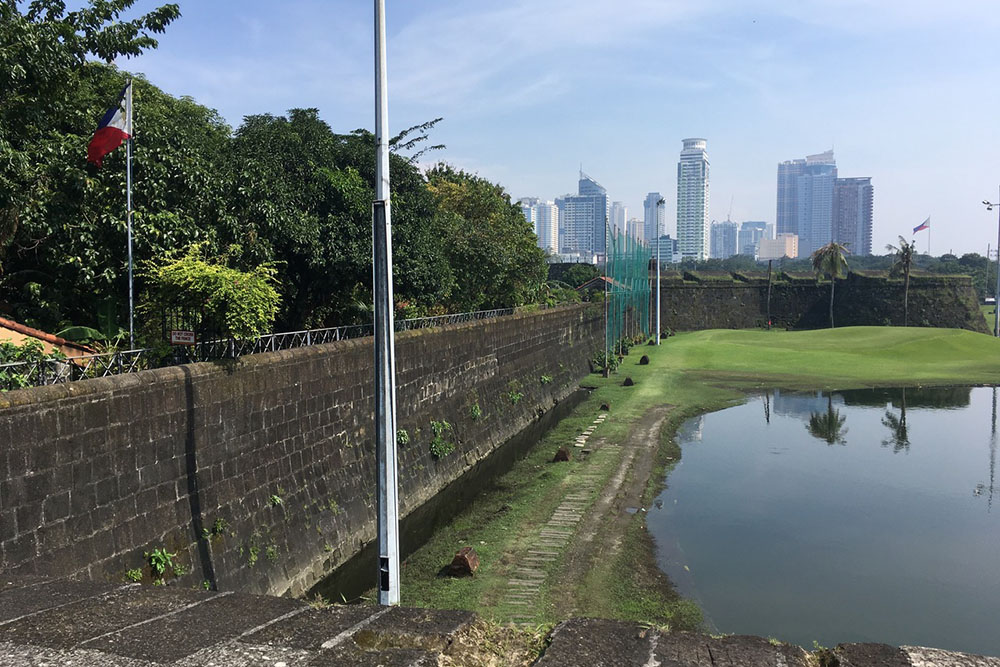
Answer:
[(128, 215), (996, 293), (385, 356)]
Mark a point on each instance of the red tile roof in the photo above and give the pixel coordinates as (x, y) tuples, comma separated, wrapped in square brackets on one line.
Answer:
[(41, 335)]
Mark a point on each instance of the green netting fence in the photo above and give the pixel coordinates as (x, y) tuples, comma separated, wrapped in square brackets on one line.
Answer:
[(628, 290)]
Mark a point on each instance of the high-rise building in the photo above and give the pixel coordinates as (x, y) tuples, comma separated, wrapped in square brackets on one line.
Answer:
[(561, 206), (692, 200), (805, 200), (665, 249), (618, 216), (750, 235), (584, 217), (655, 216), (853, 200), (635, 228), (544, 218), (724, 236), (786, 245), (528, 205)]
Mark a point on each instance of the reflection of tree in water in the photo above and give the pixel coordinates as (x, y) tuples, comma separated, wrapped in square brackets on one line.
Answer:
[(898, 437), (828, 426)]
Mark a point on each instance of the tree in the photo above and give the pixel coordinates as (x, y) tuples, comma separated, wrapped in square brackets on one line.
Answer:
[(578, 274), (227, 301), (492, 249), (902, 262), (65, 260), (831, 261), (44, 50)]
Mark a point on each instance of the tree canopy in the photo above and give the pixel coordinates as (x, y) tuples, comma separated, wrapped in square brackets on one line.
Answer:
[(285, 191)]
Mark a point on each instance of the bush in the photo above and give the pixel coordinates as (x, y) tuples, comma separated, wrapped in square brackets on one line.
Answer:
[(239, 304), (22, 376)]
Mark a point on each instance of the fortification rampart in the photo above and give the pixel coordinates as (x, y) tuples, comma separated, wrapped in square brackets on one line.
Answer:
[(691, 302), (260, 475)]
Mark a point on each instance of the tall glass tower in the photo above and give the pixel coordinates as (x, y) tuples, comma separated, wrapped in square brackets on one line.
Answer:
[(805, 200), (585, 216), (692, 200)]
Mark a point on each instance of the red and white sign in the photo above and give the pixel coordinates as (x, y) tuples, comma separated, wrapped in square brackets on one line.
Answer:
[(181, 337)]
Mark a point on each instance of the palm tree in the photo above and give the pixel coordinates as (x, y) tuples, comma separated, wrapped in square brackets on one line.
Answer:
[(903, 262), (829, 425), (831, 260)]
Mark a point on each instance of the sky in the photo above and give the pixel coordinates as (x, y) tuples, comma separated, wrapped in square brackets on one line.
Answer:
[(906, 92)]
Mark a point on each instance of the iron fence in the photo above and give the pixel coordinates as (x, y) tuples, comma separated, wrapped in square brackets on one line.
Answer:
[(43, 372)]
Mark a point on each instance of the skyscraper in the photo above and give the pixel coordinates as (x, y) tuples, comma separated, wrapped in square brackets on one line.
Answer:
[(853, 200), (805, 200), (528, 205), (618, 216), (724, 236), (654, 221), (692, 200), (584, 217), (750, 235), (544, 218)]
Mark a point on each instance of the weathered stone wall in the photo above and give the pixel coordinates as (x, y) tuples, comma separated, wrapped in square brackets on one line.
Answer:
[(934, 301), (261, 475)]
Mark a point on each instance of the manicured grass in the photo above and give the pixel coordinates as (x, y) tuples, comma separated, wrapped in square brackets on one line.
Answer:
[(838, 358), (695, 373)]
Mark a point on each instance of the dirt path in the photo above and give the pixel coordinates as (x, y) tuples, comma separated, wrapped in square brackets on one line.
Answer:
[(601, 528)]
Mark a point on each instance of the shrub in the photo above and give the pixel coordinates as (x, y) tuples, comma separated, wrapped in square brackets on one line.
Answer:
[(440, 445)]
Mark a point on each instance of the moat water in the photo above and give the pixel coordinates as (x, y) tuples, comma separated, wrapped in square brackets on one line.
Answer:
[(855, 516)]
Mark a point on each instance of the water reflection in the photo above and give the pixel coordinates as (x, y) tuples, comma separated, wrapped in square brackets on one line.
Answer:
[(898, 436), (828, 425), (982, 488), (935, 398), (773, 534)]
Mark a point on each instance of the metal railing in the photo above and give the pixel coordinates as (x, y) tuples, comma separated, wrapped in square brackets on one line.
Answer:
[(21, 374)]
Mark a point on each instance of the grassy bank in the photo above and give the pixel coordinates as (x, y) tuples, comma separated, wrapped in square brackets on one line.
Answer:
[(693, 373)]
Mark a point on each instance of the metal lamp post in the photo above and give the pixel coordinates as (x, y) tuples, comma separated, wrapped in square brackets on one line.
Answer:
[(996, 292), (385, 353)]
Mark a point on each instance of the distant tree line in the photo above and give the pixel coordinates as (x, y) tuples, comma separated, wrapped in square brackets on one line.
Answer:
[(285, 192)]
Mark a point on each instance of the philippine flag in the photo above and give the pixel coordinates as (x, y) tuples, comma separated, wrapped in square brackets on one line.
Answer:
[(114, 128), (926, 224)]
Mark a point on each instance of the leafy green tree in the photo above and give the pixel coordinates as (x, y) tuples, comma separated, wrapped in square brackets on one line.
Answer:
[(491, 247), (44, 50), (65, 263), (902, 263), (234, 303), (578, 274), (830, 260), (303, 199)]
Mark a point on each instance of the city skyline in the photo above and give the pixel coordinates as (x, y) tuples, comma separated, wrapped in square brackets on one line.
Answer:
[(762, 81)]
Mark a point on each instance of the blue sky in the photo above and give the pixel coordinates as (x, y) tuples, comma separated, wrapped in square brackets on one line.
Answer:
[(905, 92)]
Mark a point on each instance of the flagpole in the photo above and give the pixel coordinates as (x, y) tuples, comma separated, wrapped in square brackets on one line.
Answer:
[(128, 217)]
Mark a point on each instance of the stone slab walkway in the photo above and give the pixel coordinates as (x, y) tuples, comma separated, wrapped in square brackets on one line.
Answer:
[(65, 623)]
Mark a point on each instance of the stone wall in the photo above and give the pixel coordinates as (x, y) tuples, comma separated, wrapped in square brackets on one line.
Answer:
[(934, 301), (260, 475)]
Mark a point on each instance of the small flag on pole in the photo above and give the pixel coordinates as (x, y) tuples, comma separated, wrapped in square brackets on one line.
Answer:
[(926, 224), (114, 128)]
